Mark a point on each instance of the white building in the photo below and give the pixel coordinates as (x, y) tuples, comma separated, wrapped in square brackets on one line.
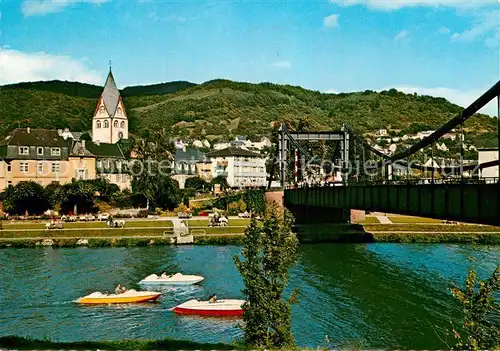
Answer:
[(110, 122), (241, 168), (488, 155), (242, 143), (382, 132)]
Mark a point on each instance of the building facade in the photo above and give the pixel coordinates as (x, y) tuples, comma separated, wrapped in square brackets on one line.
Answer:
[(241, 168), (59, 156), (110, 122), (488, 155)]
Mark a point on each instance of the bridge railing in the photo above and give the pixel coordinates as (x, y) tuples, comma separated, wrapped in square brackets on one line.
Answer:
[(410, 181)]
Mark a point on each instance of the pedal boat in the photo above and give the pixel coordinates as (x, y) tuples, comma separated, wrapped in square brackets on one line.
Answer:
[(222, 308), (175, 279), (130, 296)]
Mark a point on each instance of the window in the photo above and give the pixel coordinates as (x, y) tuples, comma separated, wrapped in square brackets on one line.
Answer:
[(23, 167), (9, 182), (55, 167), (40, 167), (24, 150), (81, 174), (55, 151), (39, 151), (115, 124), (106, 124), (98, 124), (122, 124), (9, 167), (120, 135)]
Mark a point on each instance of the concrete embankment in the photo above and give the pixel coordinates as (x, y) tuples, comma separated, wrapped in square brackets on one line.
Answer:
[(324, 233)]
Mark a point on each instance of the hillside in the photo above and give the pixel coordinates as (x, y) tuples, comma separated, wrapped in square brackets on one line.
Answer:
[(221, 109)]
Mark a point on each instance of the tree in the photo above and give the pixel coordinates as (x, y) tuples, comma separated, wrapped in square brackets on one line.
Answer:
[(268, 253), (26, 197), (197, 183), (80, 193), (220, 180), (152, 168), (480, 329)]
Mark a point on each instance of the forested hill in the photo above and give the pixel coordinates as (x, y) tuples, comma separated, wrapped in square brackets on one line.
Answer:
[(221, 109)]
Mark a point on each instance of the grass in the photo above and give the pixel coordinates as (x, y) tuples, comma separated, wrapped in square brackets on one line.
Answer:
[(369, 220), (19, 343), (231, 223), (410, 219), (85, 225), (416, 228), (61, 233)]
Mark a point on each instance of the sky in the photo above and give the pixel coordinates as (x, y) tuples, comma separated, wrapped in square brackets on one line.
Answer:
[(442, 48)]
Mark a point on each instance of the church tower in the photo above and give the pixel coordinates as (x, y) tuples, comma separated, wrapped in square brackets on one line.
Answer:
[(110, 122)]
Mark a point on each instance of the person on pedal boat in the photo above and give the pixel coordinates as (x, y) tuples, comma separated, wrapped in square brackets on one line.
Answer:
[(164, 275), (213, 299), (120, 289)]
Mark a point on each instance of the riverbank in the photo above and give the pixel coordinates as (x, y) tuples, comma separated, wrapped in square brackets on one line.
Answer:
[(161, 232), (19, 343)]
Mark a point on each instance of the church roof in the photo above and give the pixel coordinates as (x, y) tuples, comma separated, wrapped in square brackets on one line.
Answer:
[(104, 149), (110, 95)]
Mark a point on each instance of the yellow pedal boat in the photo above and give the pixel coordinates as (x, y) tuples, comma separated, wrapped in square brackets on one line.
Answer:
[(130, 296)]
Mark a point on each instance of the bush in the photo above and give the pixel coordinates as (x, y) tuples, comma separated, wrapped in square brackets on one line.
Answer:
[(143, 214)]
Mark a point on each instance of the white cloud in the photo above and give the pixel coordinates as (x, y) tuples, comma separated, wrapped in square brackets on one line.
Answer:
[(444, 30), (460, 97), (402, 35), (43, 7), (331, 21), (332, 91), (486, 26), (281, 64), (17, 66), (389, 5)]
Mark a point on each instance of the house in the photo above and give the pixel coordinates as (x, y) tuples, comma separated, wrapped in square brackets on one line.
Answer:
[(241, 168), (382, 132), (442, 147), (242, 143), (58, 156), (185, 164), (487, 155)]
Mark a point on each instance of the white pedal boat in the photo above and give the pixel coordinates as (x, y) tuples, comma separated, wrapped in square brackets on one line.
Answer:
[(130, 296), (174, 279), (225, 308)]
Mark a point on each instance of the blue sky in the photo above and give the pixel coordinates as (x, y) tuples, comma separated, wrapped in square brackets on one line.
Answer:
[(436, 47)]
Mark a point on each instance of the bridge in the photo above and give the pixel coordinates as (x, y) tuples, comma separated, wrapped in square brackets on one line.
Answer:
[(359, 175)]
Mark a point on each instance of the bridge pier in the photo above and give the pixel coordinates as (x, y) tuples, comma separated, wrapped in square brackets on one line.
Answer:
[(319, 215)]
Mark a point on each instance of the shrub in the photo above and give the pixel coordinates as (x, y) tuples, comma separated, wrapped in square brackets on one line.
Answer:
[(142, 214)]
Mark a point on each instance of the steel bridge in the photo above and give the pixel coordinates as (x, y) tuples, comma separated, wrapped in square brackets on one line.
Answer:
[(462, 198)]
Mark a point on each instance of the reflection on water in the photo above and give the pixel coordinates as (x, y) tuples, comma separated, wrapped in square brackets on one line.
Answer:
[(376, 295)]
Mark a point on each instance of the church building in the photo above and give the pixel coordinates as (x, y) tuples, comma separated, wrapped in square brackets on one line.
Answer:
[(110, 123), (58, 156)]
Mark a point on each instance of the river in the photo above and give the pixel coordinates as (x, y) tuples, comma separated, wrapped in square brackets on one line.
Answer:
[(366, 295)]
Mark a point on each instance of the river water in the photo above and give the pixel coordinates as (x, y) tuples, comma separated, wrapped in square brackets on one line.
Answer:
[(367, 295)]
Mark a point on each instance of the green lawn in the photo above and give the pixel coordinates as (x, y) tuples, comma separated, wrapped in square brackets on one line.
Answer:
[(369, 220), (416, 228), (84, 225), (410, 219), (204, 222), (84, 233)]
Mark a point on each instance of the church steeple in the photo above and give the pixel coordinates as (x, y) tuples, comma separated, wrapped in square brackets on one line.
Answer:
[(110, 122)]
